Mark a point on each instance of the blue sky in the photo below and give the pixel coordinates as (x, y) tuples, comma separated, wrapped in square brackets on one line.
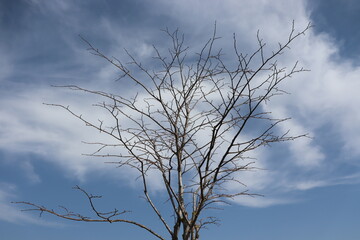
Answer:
[(311, 186)]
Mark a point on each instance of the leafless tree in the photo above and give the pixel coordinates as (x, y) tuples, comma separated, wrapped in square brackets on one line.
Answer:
[(192, 123)]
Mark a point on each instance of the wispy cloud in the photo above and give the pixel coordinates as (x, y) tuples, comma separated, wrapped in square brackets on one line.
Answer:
[(326, 97), (10, 212)]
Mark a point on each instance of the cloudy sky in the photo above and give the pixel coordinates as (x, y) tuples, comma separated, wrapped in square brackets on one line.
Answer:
[(311, 186)]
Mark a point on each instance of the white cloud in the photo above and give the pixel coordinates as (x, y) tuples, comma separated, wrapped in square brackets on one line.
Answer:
[(262, 201), (28, 126), (29, 171), (304, 151), (328, 95), (310, 184)]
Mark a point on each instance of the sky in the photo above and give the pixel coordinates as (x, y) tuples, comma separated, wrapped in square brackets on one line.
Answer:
[(311, 186)]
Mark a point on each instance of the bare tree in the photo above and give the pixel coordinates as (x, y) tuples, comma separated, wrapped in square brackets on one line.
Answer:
[(192, 123)]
